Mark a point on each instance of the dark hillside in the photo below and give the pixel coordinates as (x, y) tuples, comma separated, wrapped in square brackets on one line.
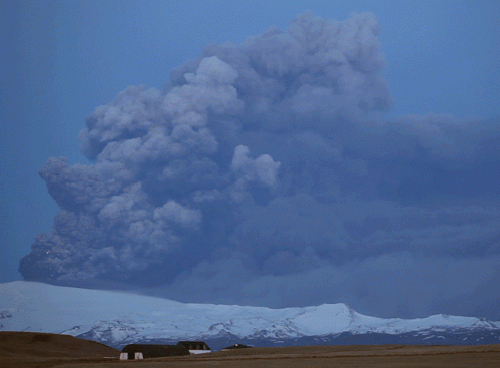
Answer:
[(31, 349)]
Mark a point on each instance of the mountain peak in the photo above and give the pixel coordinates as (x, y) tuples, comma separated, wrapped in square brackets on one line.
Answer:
[(115, 318)]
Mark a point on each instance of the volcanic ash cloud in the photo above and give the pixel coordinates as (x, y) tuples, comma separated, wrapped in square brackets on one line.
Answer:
[(265, 175)]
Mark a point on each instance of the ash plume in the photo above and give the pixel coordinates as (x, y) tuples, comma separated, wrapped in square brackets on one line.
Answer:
[(266, 175)]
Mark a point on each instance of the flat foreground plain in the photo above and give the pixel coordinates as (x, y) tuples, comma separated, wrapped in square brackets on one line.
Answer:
[(390, 356)]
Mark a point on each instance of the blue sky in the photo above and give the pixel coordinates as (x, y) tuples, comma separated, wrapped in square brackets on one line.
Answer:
[(62, 59)]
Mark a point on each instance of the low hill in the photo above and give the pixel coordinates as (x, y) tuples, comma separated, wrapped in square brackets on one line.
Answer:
[(31, 349)]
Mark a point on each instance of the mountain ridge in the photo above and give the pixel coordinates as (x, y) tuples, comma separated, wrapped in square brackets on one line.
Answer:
[(117, 318)]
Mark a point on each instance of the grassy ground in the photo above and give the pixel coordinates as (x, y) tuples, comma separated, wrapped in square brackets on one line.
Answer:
[(60, 352), (28, 349)]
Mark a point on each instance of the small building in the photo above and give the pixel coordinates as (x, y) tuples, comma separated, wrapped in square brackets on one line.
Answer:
[(236, 346), (139, 351), (195, 347)]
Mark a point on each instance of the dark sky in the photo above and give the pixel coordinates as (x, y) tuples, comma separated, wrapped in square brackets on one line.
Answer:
[(254, 153)]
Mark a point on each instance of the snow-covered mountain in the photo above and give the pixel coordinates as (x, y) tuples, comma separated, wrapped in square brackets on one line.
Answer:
[(118, 318)]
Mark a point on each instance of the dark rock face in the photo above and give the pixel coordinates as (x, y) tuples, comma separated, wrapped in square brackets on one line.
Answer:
[(427, 337)]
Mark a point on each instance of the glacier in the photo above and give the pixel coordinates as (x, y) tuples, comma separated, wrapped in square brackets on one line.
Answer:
[(118, 318)]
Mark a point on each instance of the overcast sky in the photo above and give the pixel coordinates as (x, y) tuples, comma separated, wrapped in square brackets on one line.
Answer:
[(265, 155)]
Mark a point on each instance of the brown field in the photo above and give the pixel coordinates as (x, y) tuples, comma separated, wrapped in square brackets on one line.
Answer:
[(30, 350)]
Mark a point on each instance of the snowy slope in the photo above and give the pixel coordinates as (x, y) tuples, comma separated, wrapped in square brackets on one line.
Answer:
[(117, 317)]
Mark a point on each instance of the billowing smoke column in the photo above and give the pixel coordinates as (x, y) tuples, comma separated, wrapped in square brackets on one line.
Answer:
[(264, 175)]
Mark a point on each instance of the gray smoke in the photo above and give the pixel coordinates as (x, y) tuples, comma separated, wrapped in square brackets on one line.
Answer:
[(265, 175)]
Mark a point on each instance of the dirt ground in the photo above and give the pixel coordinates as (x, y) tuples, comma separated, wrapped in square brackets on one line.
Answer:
[(29, 350), (28, 355)]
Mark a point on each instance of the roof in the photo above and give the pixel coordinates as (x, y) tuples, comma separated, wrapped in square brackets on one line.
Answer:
[(194, 345), (237, 346)]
